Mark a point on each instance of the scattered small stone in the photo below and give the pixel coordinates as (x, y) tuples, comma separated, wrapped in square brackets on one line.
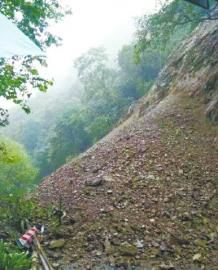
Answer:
[(108, 178), (98, 253), (166, 200), (164, 266), (57, 243), (94, 183), (181, 172), (151, 177), (139, 244), (155, 244), (137, 257), (53, 254), (186, 216), (56, 265), (212, 236), (200, 243), (197, 257), (128, 250), (109, 249), (163, 247)]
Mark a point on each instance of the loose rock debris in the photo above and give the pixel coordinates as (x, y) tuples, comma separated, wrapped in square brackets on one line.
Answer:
[(153, 201), (145, 197)]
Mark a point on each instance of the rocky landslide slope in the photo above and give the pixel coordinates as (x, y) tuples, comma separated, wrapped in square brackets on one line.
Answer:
[(145, 197)]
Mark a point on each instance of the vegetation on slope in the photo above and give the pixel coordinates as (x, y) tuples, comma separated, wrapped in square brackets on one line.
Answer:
[(146, 196), (136, 200), (154, 204), (19, 75), (71, 126), (18, 78)]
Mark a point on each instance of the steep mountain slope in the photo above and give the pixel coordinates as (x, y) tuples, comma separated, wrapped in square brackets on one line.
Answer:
[(146, 195)]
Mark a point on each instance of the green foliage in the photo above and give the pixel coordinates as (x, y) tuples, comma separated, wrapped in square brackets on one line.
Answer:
[(136, 78), (97, 78), (19, 75), (107, 91), (98, 128), (107, 94), (165, 29), (11, 258), (17, 173), (69, 137), (34, 18), (62, 130), (14, 210), (101, 99)]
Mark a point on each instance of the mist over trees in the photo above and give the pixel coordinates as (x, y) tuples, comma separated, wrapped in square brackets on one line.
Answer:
[(65, 129), (79, 113), (72, 118), (66, 126)]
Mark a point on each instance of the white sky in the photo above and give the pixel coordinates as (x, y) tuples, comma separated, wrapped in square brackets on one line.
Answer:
[(108, 23)]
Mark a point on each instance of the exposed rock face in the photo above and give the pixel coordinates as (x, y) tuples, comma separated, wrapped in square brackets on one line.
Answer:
[(192, 69), (156, 208)]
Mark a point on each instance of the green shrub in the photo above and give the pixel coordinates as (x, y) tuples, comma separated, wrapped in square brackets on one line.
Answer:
[(12, 259), (15, 211)]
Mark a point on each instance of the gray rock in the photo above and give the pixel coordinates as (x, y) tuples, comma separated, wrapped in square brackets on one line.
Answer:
[(128, 250), (139, 244), (94, 183), (57, 243), (151, 177), (164, 266), (197, 257), (181, 172), (53, 254), (56, 265)]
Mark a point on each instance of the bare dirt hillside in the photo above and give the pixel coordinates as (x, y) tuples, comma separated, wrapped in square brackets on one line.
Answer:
[(146, 195)]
